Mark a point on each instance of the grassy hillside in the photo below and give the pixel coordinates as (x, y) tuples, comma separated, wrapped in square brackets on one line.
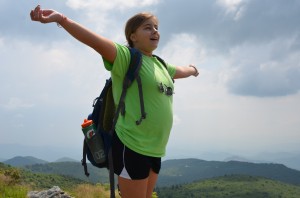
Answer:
[(10, 183), (74, 169), (234, 186), (16, 183), (37, 180)]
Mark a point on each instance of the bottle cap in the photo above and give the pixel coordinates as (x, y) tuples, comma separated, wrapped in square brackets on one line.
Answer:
[(86, 123)]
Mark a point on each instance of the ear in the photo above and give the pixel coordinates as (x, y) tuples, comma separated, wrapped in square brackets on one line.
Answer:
[(133, 37)]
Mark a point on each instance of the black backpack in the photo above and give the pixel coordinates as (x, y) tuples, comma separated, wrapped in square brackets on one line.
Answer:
[(105, 115)]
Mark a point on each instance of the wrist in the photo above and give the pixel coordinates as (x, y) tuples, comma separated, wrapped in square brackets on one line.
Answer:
[(62, 19), (196, 70)]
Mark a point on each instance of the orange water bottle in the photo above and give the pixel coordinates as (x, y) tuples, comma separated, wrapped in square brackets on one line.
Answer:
[(93, 140)]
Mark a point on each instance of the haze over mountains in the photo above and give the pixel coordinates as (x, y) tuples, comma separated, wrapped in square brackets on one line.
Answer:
[(52, 154)]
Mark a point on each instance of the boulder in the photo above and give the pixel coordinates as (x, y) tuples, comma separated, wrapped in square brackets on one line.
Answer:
[(54, 192)]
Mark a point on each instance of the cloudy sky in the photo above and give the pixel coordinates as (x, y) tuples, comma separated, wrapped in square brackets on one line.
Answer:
[(244, 102)]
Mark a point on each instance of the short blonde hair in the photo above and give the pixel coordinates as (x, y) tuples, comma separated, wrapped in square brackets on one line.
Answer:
[(134, 23)]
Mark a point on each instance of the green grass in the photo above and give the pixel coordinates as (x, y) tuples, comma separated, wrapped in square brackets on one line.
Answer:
[(15, 182), (10, 183), (14, 191)]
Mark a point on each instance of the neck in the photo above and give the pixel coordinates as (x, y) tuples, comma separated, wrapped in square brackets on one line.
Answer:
[(143, 51), (146, 53)]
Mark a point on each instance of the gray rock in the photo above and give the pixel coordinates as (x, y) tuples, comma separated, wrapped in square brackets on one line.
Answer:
[(54, 192)]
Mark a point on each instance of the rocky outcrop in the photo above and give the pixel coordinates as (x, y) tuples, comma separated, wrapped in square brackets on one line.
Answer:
[(54, 192)]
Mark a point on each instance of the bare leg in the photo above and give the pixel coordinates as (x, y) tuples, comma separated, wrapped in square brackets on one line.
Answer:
[(133, 188), (141, 188), (151, 183)]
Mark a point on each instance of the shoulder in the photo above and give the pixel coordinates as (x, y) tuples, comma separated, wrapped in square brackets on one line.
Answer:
[(121, 61)]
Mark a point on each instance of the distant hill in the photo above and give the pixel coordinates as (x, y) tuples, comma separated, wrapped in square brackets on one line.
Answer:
[(188, 170), (23, 161), (179, 171), (243, 159), (66, 159), (292, 161), (73, 169), (232, 186)]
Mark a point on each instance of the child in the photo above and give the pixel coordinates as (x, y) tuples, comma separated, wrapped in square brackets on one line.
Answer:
[(137, 149)]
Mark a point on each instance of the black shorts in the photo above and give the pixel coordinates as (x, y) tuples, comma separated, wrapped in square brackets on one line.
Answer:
[(131, 165)]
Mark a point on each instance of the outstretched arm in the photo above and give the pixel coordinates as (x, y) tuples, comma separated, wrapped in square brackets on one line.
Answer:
[(102, 45), (184, 72)]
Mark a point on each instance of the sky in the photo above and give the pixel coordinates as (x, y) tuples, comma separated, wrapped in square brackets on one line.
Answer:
[(244, 102)]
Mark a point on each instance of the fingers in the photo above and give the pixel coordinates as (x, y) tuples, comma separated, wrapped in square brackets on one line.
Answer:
[(36, 14), (31, 15), (45, 15)]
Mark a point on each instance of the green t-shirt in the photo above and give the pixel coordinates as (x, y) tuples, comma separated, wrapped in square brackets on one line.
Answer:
[(151, 136)]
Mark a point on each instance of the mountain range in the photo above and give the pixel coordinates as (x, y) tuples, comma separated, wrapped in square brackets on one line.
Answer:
[(290, 159), (187, 170), (173, 172), (20, 161)]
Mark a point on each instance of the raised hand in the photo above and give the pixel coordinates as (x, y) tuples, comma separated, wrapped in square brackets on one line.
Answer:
[(45, 16), (105, 47)]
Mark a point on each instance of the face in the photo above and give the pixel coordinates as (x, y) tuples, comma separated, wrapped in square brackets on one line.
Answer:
[(146, 37)]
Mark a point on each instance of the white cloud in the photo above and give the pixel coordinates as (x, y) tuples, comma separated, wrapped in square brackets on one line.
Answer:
[(49, 74), (109, 5), (97, 14), (15, 103), (230, 5), (265, 70), (236, 8), (184, 49)]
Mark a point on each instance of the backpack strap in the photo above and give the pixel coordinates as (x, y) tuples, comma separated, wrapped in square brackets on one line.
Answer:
[(142, 107), (161, 60), (164, 63), (134, 66), (83, 161), (132, 73), (111, 173)]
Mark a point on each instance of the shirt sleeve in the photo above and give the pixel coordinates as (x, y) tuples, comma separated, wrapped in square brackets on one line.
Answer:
[(121, 63), (171, 69)]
